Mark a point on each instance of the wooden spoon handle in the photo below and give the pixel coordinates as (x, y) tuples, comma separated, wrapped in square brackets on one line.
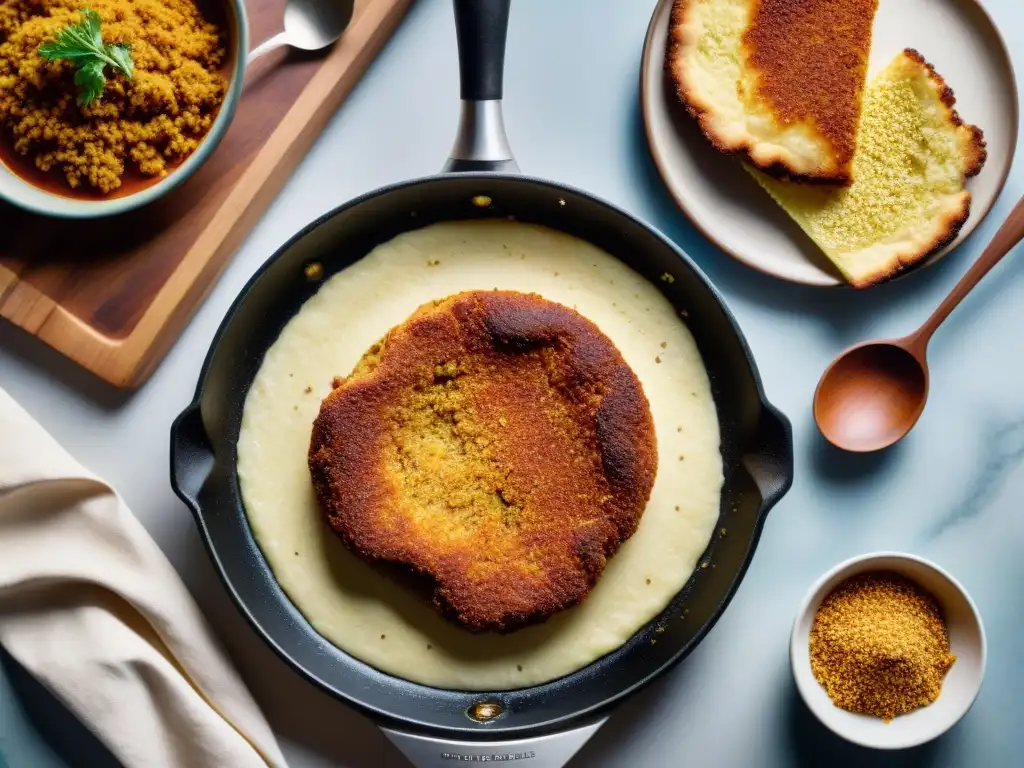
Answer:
[(1005, 239)]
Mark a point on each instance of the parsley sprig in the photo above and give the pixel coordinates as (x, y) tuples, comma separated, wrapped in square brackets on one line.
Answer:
[(83, 45)]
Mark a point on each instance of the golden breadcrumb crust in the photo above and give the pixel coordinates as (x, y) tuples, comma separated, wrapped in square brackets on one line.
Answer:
[(809, 58), (497, 445)]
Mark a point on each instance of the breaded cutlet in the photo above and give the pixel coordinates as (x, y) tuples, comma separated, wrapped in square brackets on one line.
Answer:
[(777, 81), (497, 445), (909, 197)]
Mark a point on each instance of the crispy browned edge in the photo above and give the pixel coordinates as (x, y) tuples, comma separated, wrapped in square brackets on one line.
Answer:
[(974, 157), (624, 431), (699, 113)]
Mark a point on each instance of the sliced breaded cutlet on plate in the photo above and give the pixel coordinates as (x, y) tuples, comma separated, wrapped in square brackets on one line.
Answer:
[(908, 198), (779, 81)]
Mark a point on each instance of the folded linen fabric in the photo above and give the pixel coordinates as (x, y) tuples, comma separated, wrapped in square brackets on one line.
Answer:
[(93, 609)]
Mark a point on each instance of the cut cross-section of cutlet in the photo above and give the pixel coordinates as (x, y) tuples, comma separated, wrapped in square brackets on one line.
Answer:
[(908, 198), (497, 445), (778, 81)]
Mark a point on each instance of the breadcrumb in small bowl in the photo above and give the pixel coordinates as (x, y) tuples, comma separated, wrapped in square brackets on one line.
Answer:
[(150, 127), (888, 650)]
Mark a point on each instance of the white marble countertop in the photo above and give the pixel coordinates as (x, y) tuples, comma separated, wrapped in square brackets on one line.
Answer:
[(951, 492)]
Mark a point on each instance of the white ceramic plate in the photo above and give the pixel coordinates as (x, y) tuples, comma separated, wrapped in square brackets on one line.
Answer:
[(959, 688), (725, 203)]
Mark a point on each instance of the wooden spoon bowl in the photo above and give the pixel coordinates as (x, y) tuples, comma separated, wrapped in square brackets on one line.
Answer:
[(871, 396), (874, 393)]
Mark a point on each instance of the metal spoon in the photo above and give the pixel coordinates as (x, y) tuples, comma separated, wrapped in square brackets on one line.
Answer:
[(873, 393), (308, 25)]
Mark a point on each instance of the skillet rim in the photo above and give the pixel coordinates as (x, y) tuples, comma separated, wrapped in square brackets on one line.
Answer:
[(566, 721)]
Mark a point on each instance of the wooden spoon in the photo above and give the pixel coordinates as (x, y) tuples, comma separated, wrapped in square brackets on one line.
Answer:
[(873, 393)]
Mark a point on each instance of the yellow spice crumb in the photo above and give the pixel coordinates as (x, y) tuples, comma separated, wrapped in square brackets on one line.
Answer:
[(879, 646)]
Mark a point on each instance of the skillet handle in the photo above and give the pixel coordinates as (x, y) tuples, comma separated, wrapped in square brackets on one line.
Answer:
[(481, 144), (191, 459), (771, 462)]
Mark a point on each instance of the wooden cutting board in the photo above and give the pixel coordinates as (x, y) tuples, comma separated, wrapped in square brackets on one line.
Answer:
[(114, 294)]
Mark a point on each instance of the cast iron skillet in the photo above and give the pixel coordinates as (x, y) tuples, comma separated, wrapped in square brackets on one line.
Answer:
[(756, 438)]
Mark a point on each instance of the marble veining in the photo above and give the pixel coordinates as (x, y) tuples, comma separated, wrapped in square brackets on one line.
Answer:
[(1002, 453)]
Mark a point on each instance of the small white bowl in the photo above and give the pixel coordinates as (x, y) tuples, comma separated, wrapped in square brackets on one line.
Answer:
[(960, 687)]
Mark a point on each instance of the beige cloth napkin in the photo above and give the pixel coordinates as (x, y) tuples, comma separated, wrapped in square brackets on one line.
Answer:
[(92, 608)]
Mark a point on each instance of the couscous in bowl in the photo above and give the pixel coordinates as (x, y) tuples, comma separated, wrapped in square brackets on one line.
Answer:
[(145, 131)]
